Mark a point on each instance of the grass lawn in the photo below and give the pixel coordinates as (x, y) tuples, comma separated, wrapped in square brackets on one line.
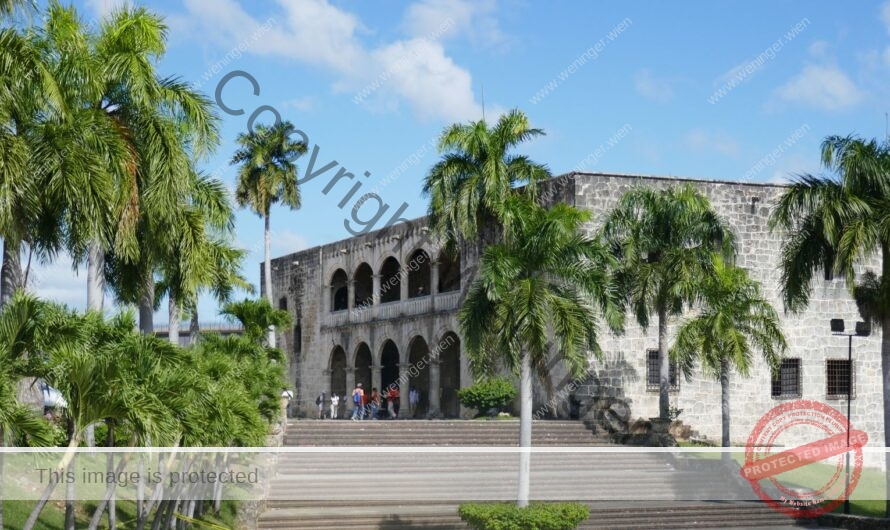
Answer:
[(867, 498), (53, 517)]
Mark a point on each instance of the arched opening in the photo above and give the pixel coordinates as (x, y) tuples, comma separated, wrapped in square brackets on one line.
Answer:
[(449, 374), (339, 291), (364, 286), (449, 272), (390, 281), (338, 372), (419, 274), (419, 373), (363, 367), (389, 366)]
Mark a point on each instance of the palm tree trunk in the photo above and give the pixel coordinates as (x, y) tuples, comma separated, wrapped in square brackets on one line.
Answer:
[(95, 277), (267, 272), (664, 366), (2, 444), (69, 486), (173, 312), (11, 270), (724, 404), (146, 305), (194, 325), (525, 428)]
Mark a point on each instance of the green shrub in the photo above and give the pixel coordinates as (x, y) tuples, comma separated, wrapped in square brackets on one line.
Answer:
[(494, 393), (536, 516)]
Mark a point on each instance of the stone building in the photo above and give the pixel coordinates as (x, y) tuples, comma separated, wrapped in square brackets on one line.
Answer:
[(371, 308)]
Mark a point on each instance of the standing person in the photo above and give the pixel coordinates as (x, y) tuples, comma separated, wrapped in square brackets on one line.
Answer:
[(389, 404), (413, 401), (358, 396), (394, 394), (375, 403), (335, 404), (320, 402)]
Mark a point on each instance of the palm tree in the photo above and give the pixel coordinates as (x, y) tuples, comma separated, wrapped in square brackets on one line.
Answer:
[(733, 322), (547, 276), (19, 334), (7, 7), (469, 189), (837, 223), (268, 176), (664, 240)]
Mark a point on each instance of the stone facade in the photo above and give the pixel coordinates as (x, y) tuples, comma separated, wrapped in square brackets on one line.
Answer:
[(307, 283)]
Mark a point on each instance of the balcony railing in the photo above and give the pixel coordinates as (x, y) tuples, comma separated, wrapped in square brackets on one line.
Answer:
[(390, 310)]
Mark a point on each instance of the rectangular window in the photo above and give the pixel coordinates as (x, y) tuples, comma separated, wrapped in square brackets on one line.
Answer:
[(282, 303), (652, 373), (786, 384), (839, 379)]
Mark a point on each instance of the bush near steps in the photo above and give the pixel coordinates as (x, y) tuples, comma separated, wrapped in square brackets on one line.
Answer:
[(494, 393), (536, 516)]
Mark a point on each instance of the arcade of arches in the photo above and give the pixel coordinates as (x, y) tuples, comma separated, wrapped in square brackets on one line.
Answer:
[(421, 276), (434, 372)]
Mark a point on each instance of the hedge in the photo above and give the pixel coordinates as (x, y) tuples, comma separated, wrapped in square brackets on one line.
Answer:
[(494, 393), (536, 516)]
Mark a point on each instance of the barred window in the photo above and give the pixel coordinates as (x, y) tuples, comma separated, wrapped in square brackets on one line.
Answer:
[(652, 373), (839, 379), (787, 382)]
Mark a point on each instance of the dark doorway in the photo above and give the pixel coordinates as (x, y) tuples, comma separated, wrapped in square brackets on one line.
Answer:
[(449, 374), (339, 291), (338, 372), (389, 366), (363, 366), (418, 359), (419, 274), (364, 286), (449, 272), (390, 281)]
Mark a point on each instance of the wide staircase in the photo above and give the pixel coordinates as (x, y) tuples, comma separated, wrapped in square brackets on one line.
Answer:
[(414, 474)]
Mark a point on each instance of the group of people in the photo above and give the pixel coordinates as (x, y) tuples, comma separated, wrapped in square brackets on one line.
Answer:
[(368, 404)]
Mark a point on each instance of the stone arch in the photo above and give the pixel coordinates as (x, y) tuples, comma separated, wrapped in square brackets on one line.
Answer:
[(389, 364), (339, 291), (449, 271), (419, 372), (448, 349), (364, 286), (390, 280), (418, 269), (337, 367), (363, 362)]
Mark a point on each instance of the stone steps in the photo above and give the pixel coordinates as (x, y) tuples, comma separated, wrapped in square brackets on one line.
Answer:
[(408, 488)]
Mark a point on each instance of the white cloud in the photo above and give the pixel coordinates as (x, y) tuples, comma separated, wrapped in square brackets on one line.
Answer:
[(105, 7), (287, 242), (647, 85), (475, 19), (885, 15), (702, 140), (818, 49), (822, 86), (303, 104), (323, 35)]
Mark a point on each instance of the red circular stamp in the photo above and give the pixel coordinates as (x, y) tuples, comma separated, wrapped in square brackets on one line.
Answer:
[(827, 428)]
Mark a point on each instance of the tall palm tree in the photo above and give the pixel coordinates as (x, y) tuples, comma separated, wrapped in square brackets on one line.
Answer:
[(19, 333), (469, 189), (732, 324), (547, 276), (837, 223), (268, 176), (664, 240), (7, 7)]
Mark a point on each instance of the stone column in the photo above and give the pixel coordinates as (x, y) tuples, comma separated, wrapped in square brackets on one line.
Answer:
[(376, 377), (404, 388), (326, 298), (376, 294), (350, 381), (326, 386), (434, 283), (350, 302), (435, 389), (403, 284)]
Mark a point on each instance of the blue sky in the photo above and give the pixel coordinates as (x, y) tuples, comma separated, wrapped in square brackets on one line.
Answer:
[(655, 78)]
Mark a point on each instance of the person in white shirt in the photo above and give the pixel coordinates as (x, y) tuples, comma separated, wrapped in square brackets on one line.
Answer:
[(335, 405), (413, 401)]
